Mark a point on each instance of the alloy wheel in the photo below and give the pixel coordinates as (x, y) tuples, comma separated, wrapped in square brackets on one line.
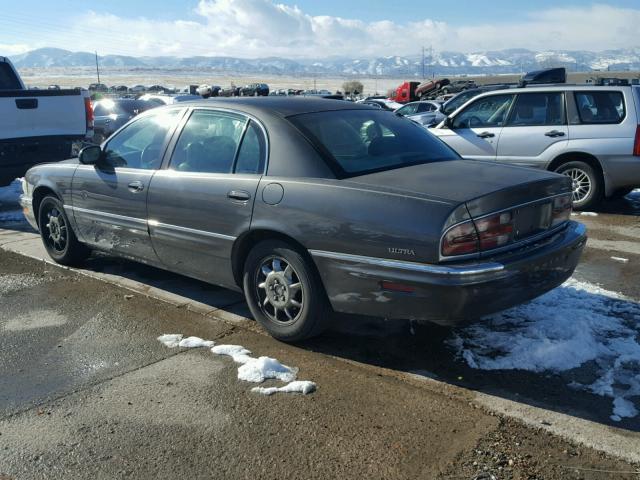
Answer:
[(280, 291), (56, 230), (581, 183)]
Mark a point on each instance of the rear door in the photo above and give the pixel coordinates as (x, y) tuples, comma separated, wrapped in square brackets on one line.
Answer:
[(204, 200), (474, 132), (109, 201), (536, 128)]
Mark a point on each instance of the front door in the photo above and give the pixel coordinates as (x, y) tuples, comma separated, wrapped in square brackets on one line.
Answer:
[(536, 124), (109, 200), (475, 131), (204, 200)]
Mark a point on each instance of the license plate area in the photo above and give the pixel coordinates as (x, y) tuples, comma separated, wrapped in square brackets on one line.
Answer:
[(531, 220)]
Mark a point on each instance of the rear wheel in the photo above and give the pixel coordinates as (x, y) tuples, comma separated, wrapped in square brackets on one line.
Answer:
[(59, 240), (587, 188), (284, 293)]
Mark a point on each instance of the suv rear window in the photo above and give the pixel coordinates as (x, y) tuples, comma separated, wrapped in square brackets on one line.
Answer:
[(8, 79), (357, 142), (600, 107)]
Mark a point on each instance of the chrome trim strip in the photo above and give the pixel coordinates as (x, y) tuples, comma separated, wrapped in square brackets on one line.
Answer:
[(105, 214), (193, 231), (149, 223), (481, 268)]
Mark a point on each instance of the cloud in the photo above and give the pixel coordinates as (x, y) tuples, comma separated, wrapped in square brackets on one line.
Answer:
[(13, 49), (262, 28)]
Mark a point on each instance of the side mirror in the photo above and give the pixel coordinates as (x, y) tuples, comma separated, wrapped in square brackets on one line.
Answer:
[(90, 155)]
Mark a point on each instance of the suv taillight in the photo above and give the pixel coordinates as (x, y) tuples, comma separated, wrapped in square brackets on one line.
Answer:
[(636, 144), (487, 233), (88, 110)]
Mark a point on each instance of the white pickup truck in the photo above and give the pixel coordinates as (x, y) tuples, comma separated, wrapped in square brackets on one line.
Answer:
[(38, 125)]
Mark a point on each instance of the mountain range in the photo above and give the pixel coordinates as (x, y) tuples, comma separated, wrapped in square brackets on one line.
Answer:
[(441, 63)]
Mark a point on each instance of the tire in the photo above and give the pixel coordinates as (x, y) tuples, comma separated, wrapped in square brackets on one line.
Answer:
[(58, 238), (303, 312), (588, 190)]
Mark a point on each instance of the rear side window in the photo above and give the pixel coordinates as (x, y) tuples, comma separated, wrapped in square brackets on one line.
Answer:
[(8, 79), (537, 109), (600, 107), (252, 151), (357, 142)]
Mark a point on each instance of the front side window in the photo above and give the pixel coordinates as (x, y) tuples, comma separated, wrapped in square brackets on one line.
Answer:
[(484, 113), (600, 107), (139, 145), (537, 109), (357, 142), (208, 142)]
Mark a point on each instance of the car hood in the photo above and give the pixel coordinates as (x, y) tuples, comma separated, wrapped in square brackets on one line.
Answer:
[(483, 186)]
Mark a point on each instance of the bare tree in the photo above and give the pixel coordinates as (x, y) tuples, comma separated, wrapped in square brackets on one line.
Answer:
[(352, 87)]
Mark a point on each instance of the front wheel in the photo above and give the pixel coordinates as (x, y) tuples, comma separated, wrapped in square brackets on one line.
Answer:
[(59, 240), (587, 188), (284, 292)]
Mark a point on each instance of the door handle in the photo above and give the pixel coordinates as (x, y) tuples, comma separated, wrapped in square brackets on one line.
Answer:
[(486, 135), (241, 195), (136, 186), (554, 133)]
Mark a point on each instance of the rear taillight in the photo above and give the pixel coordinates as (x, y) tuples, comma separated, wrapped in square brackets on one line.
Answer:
[(495, 231), (88, 110), (561, 212), (460, 240), (636, 144)]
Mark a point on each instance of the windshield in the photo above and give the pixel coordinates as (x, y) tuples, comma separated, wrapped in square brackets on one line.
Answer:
[(357, 142)]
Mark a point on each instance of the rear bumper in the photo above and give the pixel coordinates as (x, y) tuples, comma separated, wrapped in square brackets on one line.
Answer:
[(449, 294)]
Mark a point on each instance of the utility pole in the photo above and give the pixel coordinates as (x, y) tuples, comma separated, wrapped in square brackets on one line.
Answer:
[(423, 63), (97, 67)]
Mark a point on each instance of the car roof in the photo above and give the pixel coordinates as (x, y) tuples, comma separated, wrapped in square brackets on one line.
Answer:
[(281, 106)]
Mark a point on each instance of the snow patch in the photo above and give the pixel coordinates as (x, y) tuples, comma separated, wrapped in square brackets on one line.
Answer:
[(171, 340), (237, 352), (564, 329), (620, 259), (259, 369), (195, 342), (300, 386), (588, 214)]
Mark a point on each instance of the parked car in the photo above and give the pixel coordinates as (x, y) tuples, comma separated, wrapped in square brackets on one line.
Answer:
[(309, 205), (588, 133), (458, 86), (162, 100), (38, 125), (430, 88), (425, 112), (384, 104), (255, 90), (111, 114), (138, 89), (98, 87)]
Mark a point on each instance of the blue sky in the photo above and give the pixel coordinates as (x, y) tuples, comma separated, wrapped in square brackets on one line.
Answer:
[(312, 28)]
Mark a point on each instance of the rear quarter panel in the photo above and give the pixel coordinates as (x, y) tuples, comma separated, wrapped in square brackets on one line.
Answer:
[(335, 216)]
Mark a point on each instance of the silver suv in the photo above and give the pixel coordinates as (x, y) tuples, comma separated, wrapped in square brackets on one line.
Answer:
[(588, 133)]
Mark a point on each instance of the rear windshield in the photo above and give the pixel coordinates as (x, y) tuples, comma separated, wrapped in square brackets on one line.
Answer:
[(357, 142), (8, 79), (600, 107), (123, 107)]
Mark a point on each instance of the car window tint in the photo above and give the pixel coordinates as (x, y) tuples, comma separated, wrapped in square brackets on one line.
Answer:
[(533, 109), (251, 155), (139, 145), (485, 112), (600, 107), (8, 79), (208, 142), (356, 142)]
